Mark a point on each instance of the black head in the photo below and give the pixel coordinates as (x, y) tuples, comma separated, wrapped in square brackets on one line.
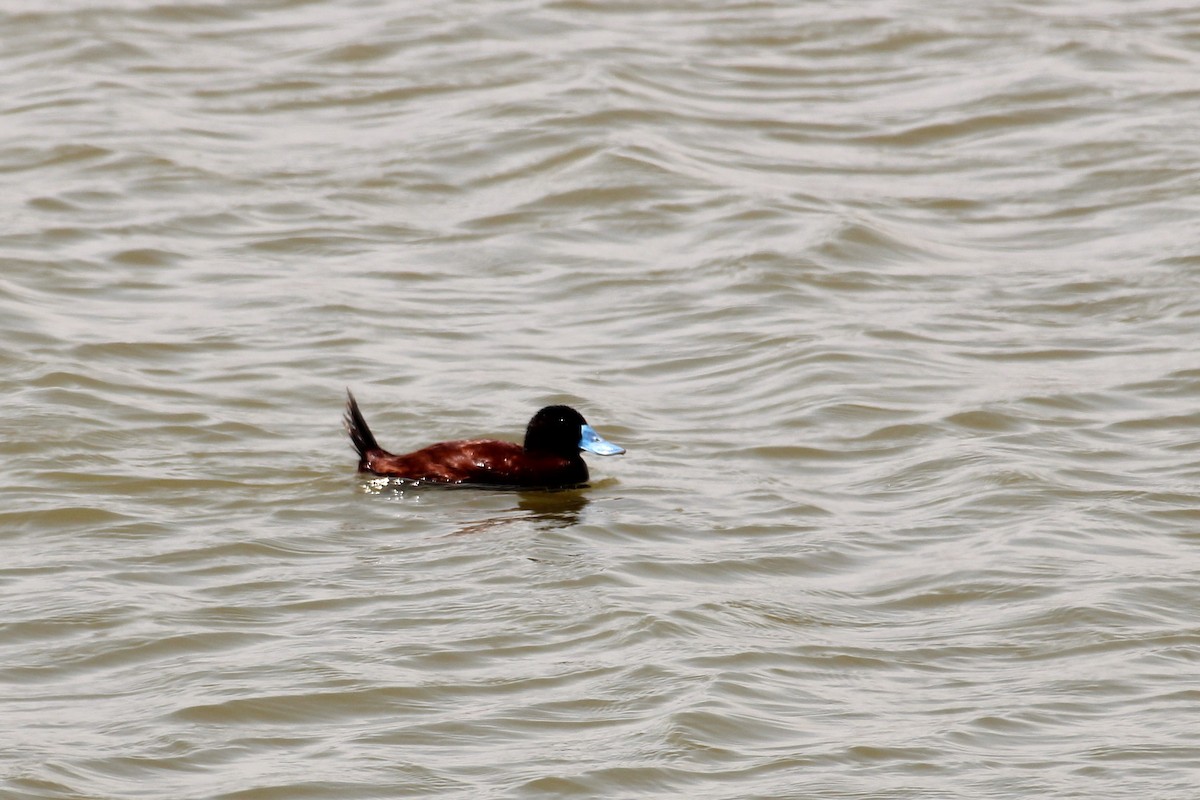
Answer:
[(555, 429), (563, 431)]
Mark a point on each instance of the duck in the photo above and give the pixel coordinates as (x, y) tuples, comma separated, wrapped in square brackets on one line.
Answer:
[(549, 458)]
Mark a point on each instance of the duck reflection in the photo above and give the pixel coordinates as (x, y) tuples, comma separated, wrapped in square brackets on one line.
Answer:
[(545, 510)]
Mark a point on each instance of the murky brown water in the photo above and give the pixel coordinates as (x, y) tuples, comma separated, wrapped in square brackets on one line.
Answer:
[(896, 307)]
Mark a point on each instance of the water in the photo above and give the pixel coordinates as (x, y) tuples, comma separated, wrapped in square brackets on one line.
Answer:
[(894, 306)]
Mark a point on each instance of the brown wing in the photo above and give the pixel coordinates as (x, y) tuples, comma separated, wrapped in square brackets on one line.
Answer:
[(476, 461)]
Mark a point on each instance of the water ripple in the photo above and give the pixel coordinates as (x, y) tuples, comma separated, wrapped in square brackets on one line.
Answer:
[(895, 314)]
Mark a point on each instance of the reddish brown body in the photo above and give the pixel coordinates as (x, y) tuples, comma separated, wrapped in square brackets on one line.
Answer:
[(548, 459), (483, 462)]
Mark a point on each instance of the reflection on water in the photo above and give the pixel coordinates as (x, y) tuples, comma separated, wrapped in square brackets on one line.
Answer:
[(554, 509), (547, 509)]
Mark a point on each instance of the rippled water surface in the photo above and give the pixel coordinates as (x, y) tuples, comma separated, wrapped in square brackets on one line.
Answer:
[(895, 305)]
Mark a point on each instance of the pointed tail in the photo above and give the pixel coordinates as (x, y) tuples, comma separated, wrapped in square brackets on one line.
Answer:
[(360, 435)]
